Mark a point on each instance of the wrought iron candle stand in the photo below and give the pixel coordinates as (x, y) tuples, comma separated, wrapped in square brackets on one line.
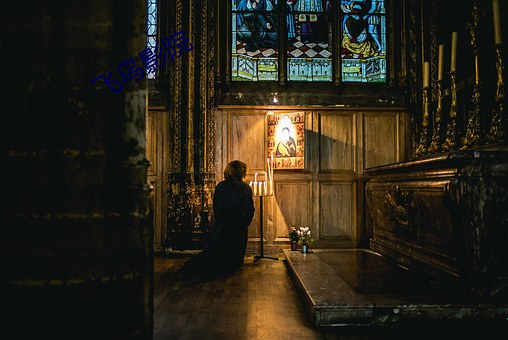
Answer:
[(450, 142), (497, 133), (472, 136), (422, 146), (435, 144)]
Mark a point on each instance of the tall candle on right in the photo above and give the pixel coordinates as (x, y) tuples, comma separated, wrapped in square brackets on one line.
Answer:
[(497, 22), (453, 61), (440, 63), (426, 74)]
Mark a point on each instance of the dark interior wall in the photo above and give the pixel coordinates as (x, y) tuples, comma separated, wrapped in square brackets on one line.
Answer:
[(75, 240)]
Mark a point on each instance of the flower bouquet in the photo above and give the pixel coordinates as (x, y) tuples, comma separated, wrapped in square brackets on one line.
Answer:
[(294, 238), (305, 238)]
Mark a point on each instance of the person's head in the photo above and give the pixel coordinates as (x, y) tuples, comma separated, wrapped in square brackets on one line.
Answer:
[(235, 170)]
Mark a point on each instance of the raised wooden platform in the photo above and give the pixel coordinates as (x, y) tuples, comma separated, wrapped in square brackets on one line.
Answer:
[(359, 287)]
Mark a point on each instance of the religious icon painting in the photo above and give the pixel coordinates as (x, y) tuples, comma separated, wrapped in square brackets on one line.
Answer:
[(286, 140)]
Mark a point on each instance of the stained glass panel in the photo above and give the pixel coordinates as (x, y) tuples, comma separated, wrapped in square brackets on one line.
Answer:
[(151, 30), (309, 29), (254, 40), (363, 41)]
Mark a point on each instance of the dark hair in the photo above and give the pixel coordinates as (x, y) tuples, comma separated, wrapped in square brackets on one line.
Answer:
[(236, 170)]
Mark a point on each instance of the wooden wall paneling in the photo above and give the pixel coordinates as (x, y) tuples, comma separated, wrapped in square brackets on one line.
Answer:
[(150, 152), (336, 142), (379, 139), (156, 139), (163, 155), (313, 160), (293, 206), (359, 142), (404, 137), (247, 139), (337, 210)]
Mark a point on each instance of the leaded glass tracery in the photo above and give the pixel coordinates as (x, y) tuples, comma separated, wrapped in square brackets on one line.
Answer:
[(151, 30), (254, 40), (309, 27), (363, 41), (359, 49)]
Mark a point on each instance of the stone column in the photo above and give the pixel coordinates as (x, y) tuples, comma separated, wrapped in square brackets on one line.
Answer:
[(75, 241)]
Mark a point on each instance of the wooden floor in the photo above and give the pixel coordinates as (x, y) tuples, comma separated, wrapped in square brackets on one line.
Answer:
[(259, 302)]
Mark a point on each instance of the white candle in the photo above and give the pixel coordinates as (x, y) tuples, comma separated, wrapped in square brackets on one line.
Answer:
[(265, 191), (497, 22), (268, 165), (453, 61), (426, 74), (440, 62), (255, 177)]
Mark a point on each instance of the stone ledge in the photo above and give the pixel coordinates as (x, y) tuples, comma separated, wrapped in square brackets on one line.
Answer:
[(331, 301)]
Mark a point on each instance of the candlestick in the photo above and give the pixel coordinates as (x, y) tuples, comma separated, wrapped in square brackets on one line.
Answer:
[(453, 59), (472, 135), (265, 189), (435, 145), (497, 126), (426, 74), (450, 142), (255, 177), (497, 22), (440, 62), (422, 147)]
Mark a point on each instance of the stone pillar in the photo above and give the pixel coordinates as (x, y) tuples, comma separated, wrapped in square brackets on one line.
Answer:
[(75, 241)]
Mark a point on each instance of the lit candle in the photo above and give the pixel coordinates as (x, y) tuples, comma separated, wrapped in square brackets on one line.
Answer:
[(453, 61), (497, 22), (440, 62), (426, 74)]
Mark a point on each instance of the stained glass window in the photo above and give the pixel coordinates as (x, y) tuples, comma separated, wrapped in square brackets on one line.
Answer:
[(254, 40), (323, 40), (151, 32), (309, 40), (363, 41)]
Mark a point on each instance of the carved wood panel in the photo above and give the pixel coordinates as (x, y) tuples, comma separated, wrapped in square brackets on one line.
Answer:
[(337, 142), (380, 139), (337, 209)]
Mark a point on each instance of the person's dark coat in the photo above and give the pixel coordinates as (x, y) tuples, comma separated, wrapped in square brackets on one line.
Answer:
[(233, 208)]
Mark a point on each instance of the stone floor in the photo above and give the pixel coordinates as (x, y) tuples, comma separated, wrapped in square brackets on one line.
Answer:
[(263, 302), (359, 287)]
